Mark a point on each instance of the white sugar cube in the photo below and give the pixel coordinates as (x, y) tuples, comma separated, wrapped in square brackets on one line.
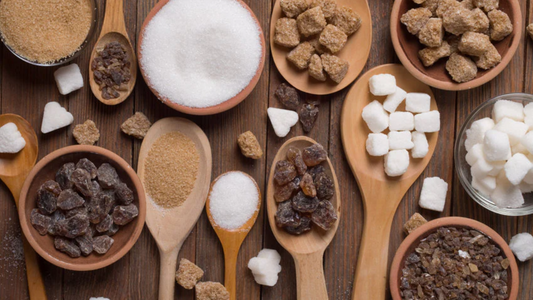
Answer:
[(514, 129), (401, 121), (428, 121), (68, 79), (377, 144), (282, 120), (506, 194), (475, 153), (486, 184), (394, 100), (476, 132), (433, 195), (400, 140), (527, 141), (382, 84), (522, 246), (528, 109), (417, 102), (496, 146), (519, 148), (396, 162), (528, 120), (421, 146), (529, 177), (376, 118), (525, 187), (270, 254), (508, 109), (517, 167), (481, 168), (263, 266), (267, 280), (497, 168), (11, 141), (55, 117)]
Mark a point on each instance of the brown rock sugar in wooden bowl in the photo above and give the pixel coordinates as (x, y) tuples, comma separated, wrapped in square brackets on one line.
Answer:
[(171, 169)]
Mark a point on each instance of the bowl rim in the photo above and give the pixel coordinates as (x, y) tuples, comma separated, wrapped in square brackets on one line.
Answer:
[(105, 260), (453, 86), (210, 110), (430, 227)]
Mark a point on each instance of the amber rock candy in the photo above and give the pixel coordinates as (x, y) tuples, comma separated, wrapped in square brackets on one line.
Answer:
[(284, 172), (336, 67), (429, 56), (285, 192), (286, 33), (479, 22), (47, 197), (486, 5), (211, 291), (294, 156), (301, 55), (85, 242), (489, 59), (305, 226), (324, 216), (122, 215), (56, 216), (333, 38), (249, 145), (82, 182), (329, 7), (107, 176), (308, 186), (82, 210), (288, 96), (311, 22), (415, 19), (73, 226), (304, 204), (308, 114), (188, 274), (461, 68), (432, 33), (105, 224), (88, 166), (286, 216), (347, 20), (314, 155), (325, 188), (102, 244), (475, 44), (69, 199), (292, 8), (124, 194), (97, 208), (67, 246), (500, 25), (414, 222), (40, 222), (316, 70), (63, 175), (136, 126), (86, 133)]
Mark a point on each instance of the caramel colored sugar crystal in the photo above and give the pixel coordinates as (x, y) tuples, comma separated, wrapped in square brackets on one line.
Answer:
[(188, 274), (453, 40), (347, 20), (468, 4), (136, 126), (429, 56), (500, 25), (86, 133), (432, 5), (301, 55), (486, 5), (311, 22), (475, 44), (414, 222), (249, 145), (335, 67), (333, 38), (329, 7), (446, 5), (286, 33), (211, 291), (456, 21), (461, 68), (489, 59), (432, 33), (316, 70), (292, 8), (319, 48), (478, 22), (415, 19), (530, 30)]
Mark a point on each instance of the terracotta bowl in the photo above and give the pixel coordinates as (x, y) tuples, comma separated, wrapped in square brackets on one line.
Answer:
[(411, 242), (211, 110), (407, 47), (45, 170)]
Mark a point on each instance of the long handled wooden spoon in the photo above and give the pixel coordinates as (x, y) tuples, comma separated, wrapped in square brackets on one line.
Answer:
[(381, 194), (14, 169), (170, 227), (231, 241), (307, 249), (114, 30)]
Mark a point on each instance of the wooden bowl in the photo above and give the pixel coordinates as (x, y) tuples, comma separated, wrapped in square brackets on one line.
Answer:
[(407, 46), (45, 170), (211, 110), (411, 242)]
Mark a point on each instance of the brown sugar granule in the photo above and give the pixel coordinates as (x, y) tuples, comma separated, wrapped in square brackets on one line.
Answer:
[(171, 169), (45, 31), (414, 222), (530, 30), (188, 274), (249, 145), (86, 133), (136, 126), (211, 291)]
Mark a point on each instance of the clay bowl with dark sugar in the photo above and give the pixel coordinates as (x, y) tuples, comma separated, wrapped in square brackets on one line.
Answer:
[(407, 46), (211, 110), (413, 240), (45, 170)]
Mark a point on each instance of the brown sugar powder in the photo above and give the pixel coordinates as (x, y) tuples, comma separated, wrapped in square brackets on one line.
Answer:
[(45, 30), (171, 169)]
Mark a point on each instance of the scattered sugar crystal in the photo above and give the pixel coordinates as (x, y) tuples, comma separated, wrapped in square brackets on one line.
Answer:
[(500, 25), (421, 146), (401, 121), (282, 120), (382, 84), (476, 133), (514, 129), (396, 162), (508, 109), (527, 141), (496, 146), (428, 121), (55, 117), (376, 117), (506, 194), (394, 100), (433, 195), (68, 79), (474, 154), (522, 246), (11, 141), (517, 167), (400, 140), (418, 102), (414, 222), (377, 144)]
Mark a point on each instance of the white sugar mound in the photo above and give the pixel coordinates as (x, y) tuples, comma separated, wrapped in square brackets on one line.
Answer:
[(266, 267), (11, 141), (201, 53), (55, 117)]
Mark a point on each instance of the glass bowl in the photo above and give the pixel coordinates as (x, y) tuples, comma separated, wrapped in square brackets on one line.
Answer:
[(72, 56), (463, 169)]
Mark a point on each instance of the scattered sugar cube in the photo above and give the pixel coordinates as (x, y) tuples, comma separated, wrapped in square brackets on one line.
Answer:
[(270, 254), (11, 141), (382, 84), (394, 100), (433, 195), (421, 146), (68, 79), (282, 120), (377, 144), (414, 222), (496, 146), (522, 246), (428, 121), (211, 291), (188, 274), (517, 167), (376, 118), (506, 194), (475, 153), (136, 126), (396, 162), (401, 121), (55, 117), (527, 141), (508, 109), (249, 145), (476, 133), (514, 129), (400, 140), (417, 102)]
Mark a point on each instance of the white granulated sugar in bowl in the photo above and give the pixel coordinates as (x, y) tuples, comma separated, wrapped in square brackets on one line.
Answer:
[(201, 53), (233, 200)]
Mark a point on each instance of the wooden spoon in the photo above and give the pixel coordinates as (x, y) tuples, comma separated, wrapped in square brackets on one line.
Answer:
[(170, 227), (231, 240), (114, 30), (14, 168), (381, 194), (307, 249)]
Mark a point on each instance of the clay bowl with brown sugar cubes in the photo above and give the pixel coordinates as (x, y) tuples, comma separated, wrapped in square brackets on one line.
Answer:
[(454, 258), (456, 44), (82, 207)]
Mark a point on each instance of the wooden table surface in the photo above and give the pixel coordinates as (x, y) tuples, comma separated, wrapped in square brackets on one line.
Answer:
[(25, 89)]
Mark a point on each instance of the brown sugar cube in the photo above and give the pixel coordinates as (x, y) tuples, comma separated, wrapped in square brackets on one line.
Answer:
[(429, 56), (286, 33), (292, 8), (432, 5), (445, 5), (414, 222), (478, 21), (316, 70), (301, 55), (500, 25), (461, 68), (249, 145), (311, 22), (432, 33), (328, 7), (319, 48), (86, 133), (455, 21), (333, 38), (415, 19), (136, 126), (335, 67), (453, 40), (188, 274), (468, 4), (211, 291), (486, 5), (347, 20), (489, 59), (530, 30), (475, 44)]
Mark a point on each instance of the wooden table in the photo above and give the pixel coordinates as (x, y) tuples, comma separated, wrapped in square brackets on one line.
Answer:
[(26, 89)]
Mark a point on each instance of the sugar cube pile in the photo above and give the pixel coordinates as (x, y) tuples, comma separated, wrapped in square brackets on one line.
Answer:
[(282, 120), (406, 129), (68, 79), (266, 267), (522, 246), (55, 117), (11, 141)]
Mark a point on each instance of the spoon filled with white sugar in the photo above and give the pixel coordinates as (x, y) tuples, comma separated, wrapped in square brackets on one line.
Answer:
[(232, 207)]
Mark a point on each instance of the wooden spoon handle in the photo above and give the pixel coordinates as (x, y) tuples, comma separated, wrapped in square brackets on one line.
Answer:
[(33, 273), (310, 280), (230, 274), (114, 17), (167, 273)]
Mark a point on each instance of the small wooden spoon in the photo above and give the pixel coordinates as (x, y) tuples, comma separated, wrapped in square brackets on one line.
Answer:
[(231, 240), (14, 168), (170, 227), (381, 194), (307, 249), (114, 30)]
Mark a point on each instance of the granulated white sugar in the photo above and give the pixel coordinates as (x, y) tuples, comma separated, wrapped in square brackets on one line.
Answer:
[(201, 53), (233, 200)]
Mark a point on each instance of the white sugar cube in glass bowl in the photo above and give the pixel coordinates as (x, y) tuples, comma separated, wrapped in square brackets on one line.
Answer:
[(463, 169)]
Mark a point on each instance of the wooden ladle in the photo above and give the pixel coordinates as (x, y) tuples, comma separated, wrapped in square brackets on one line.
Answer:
[(307, 249), (114, 30), (14, 168), (170, 227), (381, 194), (231, 240)]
